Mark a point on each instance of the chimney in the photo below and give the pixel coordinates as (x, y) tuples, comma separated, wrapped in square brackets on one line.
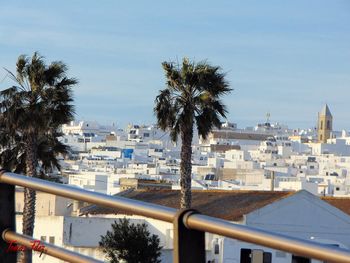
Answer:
[(76, 206)]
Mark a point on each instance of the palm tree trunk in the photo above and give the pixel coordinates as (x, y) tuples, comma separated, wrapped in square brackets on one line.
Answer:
[(29, 197), (186, 166)]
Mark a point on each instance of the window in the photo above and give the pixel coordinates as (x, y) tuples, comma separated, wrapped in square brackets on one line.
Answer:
[(245, 255), (255, 255), (321, 125), (328, 125), (216, 249), (267, 257), (52, 240), (321, 137), (297, 259), (312, 167), (43, 238)]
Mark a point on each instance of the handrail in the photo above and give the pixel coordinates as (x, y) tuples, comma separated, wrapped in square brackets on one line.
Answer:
[(49, 249), (137, 207), (294, 245), (193, 221)]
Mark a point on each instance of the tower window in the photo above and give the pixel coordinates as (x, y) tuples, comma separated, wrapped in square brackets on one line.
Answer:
[(321, 137), (328, 125), (321, 125)]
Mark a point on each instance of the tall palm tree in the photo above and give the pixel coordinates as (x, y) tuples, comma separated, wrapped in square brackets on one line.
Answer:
[(13, 155), (32, 110), (191, 97)]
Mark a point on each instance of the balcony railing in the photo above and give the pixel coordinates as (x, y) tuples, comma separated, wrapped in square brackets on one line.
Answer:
[(189, 225)]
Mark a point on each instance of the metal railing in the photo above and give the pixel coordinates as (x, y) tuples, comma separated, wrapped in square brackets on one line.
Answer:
[(189, 225), (47, 248)]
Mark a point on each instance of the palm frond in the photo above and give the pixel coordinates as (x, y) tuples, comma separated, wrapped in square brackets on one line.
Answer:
[(192, 96), (35, 108)]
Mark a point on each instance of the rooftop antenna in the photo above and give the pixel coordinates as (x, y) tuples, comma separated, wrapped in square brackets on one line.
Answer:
[(268, 115)]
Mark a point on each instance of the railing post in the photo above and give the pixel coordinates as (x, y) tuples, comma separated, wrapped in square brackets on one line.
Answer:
[(7, 220), (189, 244)]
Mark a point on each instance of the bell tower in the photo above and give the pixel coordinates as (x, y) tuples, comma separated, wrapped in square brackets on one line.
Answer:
[(324, 125)]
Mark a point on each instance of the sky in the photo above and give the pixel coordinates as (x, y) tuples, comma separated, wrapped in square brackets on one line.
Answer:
[(287, 58)]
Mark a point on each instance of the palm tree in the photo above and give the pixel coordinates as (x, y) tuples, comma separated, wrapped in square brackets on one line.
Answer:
[(191, 97), (30, 113), (13, 155)]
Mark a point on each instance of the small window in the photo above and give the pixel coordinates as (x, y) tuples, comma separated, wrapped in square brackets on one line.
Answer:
[(298, 259), (255, 255), (245, 255), (216, 249), (43, 238), (328, 125), (267, 257), (321, 125), (337, 188), (52, 240)]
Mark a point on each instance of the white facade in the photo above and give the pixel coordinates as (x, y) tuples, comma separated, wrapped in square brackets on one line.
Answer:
[(318, 222), (46, 204)]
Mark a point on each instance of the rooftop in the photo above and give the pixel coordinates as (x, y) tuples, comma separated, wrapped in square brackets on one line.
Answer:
[(229, 205), (342, 203), (236, 135)]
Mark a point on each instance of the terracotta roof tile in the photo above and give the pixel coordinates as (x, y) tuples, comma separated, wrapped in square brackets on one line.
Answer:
[(342, 203), (228, 205)]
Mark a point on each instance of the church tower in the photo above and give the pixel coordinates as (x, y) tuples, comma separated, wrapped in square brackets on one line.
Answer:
[(324, 125)]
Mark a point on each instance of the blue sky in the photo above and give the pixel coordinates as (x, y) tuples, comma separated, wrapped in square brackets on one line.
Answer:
[(287, 58)]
